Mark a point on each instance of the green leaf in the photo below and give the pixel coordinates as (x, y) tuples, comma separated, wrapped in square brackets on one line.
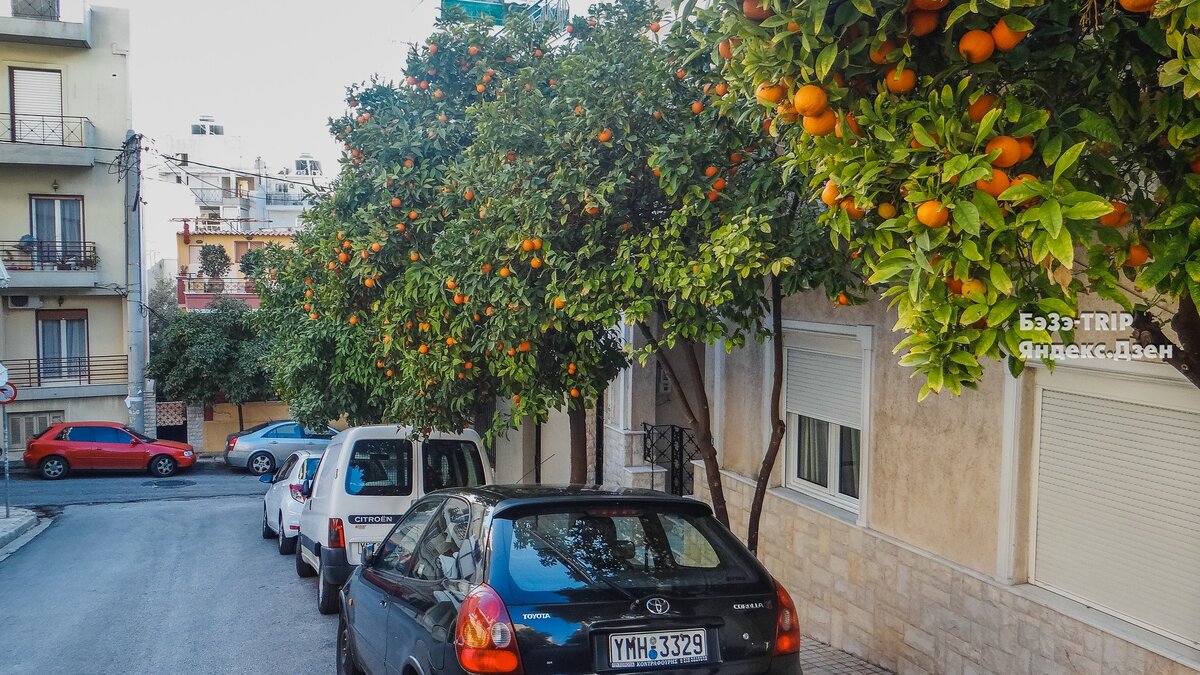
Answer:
[(864, 6), (986, 125), (966, 216), (1052, 217), (1062, 248), (973, 313), (1000, 280), (825, 60), (988, 209), (1087, 210), (1068, 159), (1052, 150)]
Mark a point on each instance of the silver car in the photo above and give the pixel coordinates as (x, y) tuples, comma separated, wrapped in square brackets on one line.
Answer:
[(261, 448)]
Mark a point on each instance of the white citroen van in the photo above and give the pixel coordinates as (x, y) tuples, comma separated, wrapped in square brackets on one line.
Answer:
[(366, 481)]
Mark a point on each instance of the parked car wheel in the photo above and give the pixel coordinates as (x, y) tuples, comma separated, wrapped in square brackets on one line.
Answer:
[(303, 569), (267, 532), (163, 466), (286, 544), (345, 650), (327, 594), (261, 463), (54, 467)]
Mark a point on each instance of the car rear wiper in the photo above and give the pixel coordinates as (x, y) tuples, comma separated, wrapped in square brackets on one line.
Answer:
[(578, 567)]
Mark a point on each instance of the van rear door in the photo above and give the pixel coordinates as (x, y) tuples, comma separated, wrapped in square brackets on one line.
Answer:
[(450, 462), (378, 486)]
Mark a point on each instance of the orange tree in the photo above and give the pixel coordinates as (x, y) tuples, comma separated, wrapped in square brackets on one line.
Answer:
[(989, 160), (340, 305)]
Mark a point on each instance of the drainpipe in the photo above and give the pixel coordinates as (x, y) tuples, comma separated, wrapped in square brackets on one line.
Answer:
[(136, 339)]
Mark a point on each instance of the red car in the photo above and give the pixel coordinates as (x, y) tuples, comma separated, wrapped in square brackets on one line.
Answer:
[(103, 445)]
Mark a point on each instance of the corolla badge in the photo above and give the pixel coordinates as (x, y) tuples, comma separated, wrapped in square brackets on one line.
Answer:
[(657, 605)]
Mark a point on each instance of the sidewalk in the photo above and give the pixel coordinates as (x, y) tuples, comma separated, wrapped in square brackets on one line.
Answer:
[(818, 658), (22, 521)]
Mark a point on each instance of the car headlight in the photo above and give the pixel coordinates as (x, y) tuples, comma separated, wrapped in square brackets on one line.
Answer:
[(187, 453)]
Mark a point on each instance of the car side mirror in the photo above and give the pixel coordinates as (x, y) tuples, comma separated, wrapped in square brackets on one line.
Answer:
[(266, 478), (306, 488), (135, 441)]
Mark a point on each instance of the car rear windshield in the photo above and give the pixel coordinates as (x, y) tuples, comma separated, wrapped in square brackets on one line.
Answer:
[(380, 467), (637, 551), (451, 463)]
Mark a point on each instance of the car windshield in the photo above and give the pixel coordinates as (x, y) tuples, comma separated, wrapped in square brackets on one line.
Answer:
[(141, 437), (631, 551)]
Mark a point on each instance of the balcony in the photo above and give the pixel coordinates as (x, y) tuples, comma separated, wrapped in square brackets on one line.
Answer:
[(287, 199), (46, 140), (195, 292), (61, 23), (50, 264), (221, 197), (70, 377)]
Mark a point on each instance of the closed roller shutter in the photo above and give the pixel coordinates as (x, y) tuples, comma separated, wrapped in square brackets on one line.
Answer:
[(37, 105), (825, 386), (1118, 509)]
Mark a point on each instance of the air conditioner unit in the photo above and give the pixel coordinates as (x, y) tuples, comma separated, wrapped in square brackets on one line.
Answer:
[(24, 302)]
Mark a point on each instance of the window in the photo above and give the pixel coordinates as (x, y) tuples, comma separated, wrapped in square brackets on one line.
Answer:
[(396, 552), (24, 427), (37, 110), (63, 344), (57, 229), (824, 415), (324, 434), (290, 430), (286, 468), (449, 548), (449, 463), (380, 467), (94, 435), (309, 468)]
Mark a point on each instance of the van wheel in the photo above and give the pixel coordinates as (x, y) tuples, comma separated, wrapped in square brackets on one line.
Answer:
[(286, 544), (345, 648), (327, 594), (267, 533), (261, 463), (54, 467), (303, 569)]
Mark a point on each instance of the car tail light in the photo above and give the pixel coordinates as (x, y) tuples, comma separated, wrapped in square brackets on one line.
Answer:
[(484, 638), (787, 624), (232, 443), (295, 489), (337, 536)]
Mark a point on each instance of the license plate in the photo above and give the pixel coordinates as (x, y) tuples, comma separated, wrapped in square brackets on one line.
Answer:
[(657, 648), (364, 550)]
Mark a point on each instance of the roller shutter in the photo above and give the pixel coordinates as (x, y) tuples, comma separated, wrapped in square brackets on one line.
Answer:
[(825, 386)]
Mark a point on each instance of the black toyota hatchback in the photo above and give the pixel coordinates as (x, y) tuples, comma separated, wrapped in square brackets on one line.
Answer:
[(539, 579)]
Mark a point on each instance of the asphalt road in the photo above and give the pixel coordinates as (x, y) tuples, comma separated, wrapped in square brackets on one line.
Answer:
[(207, 478), (156, 587)]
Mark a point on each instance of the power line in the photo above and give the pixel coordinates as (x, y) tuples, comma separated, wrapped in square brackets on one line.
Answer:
[(178, 161)]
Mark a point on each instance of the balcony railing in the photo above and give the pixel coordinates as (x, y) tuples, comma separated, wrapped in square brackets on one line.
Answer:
[(287, 199), (192, 284), (68, 371), (45, 129), (71, 11), (36, 255)]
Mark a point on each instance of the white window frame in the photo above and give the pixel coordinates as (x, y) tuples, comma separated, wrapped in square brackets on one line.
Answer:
[(839, 340)]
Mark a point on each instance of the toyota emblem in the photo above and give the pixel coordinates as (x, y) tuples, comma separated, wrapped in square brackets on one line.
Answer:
[(658, 605)]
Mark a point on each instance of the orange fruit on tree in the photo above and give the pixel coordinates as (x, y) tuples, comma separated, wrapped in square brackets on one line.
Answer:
[(537, 244), (879, 54), (654, 27), (971, 285), (830, 194), (851, 209), (574, 392), (523, 346), (343, 257), (571, 368), (821, 125), (769, 93), (719, 184), (847, 122), (559, 303), (353, 319), (725, 49), (713, 195), (451, 284), (365, 254), (505, 271), (469, 194), (369, 282), (450, 342), (1006, 39), (517, 399), (843, 299), (1010, 151), (697, 107), (308, 293), (976, 46), (900, 81), (932, 214), (754, 11), (1138, 255), (810, 100), (980, 107), (413, 215), (424, 349), (711, 171), (1026, 143), (527, 245), (1118, 217), (721, 89), (313, 316), (886, 210), (604, 136), (535, 263), (785, 113), (933, 5), (414, 256), (376, 247), (923, 22), (1137, 6), (998, 183)]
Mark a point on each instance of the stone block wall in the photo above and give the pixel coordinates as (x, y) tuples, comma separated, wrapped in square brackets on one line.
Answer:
[(914, 614)]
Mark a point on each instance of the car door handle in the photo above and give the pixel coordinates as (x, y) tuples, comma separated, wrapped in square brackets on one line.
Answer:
[(383, 602), (274, 442)]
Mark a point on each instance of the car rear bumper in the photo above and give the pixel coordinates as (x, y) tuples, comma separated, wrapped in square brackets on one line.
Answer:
[(335, 566), (237, 458)]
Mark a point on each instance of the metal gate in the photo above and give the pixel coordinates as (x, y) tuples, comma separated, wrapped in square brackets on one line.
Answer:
[(673, 448)]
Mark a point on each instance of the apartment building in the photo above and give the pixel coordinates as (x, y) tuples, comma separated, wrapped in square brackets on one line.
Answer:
[(65, 114)]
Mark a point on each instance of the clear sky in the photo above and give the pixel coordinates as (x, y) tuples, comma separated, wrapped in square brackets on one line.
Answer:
[(273, 71)]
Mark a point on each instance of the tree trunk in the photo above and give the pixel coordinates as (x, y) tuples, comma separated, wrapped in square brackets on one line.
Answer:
[(577, 416), (241, 419), (777, 427), (1185, 356)]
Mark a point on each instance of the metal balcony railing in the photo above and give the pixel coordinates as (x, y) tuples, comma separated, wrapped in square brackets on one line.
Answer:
[(35, 9), (44, 129), (31, 254), (190, 284), (72, 370), (287, 199)]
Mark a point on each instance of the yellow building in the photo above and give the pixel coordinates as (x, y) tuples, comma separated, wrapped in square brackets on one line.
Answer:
[(65, 114), (195, 290)]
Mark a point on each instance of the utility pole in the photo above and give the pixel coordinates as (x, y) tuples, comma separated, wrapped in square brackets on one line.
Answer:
[(136, 342)]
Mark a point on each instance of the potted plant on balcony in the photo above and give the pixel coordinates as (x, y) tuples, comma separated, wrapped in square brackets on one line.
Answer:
[(214, 264), (250, 264)]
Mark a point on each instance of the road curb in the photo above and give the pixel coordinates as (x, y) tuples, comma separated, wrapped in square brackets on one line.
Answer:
[(22, 521)]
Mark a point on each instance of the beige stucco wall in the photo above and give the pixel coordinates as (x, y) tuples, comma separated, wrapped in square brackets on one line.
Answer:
[(226, 241), (225, 420), (933, 466), (106, 326)]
